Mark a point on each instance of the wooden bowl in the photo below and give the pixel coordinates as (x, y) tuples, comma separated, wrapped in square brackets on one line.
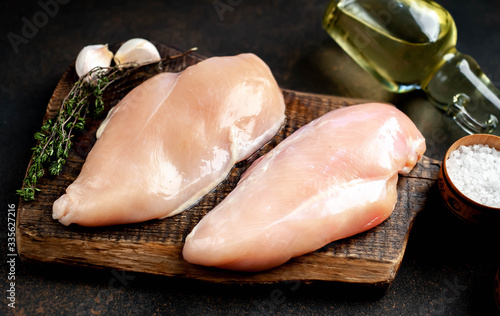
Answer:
[(497, 288), (459, 204)]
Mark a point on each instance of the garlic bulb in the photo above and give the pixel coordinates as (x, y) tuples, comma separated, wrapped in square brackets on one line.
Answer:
[(137, 50), (92, 56)]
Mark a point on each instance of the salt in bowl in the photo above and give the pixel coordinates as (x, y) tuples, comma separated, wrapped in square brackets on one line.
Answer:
[(459, 204)]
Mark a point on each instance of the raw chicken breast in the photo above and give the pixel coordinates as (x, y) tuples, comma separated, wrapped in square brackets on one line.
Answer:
[(173, 139), (331, 179)]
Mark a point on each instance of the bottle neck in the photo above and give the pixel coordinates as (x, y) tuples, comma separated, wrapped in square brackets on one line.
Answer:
[(460, 88)]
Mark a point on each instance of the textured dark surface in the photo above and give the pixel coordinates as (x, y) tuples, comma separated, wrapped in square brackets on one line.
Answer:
[(448, 268)]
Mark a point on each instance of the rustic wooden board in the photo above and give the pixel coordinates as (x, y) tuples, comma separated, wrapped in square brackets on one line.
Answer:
[(155, 247)]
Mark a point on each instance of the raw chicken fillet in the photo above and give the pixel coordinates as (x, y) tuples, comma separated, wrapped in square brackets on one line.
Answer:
[(173, 139), (331, 179)]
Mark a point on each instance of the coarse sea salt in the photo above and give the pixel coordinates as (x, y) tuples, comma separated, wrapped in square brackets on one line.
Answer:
[(475, 171)]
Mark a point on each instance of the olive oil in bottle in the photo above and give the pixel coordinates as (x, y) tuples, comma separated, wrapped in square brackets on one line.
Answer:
[(410, 44)]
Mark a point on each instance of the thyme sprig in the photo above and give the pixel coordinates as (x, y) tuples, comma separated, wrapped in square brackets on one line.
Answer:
[(54, 139)]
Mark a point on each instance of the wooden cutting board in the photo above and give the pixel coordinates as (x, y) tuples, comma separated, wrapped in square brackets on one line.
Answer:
[(155, 247)]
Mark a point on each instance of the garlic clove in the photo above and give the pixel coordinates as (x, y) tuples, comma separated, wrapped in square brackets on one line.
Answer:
[(137, 50), (92, 56)]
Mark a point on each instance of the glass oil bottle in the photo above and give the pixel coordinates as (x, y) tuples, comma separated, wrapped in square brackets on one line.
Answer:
[(410, 44)]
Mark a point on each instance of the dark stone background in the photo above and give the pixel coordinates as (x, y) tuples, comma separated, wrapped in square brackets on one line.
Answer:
[(448, 268)]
